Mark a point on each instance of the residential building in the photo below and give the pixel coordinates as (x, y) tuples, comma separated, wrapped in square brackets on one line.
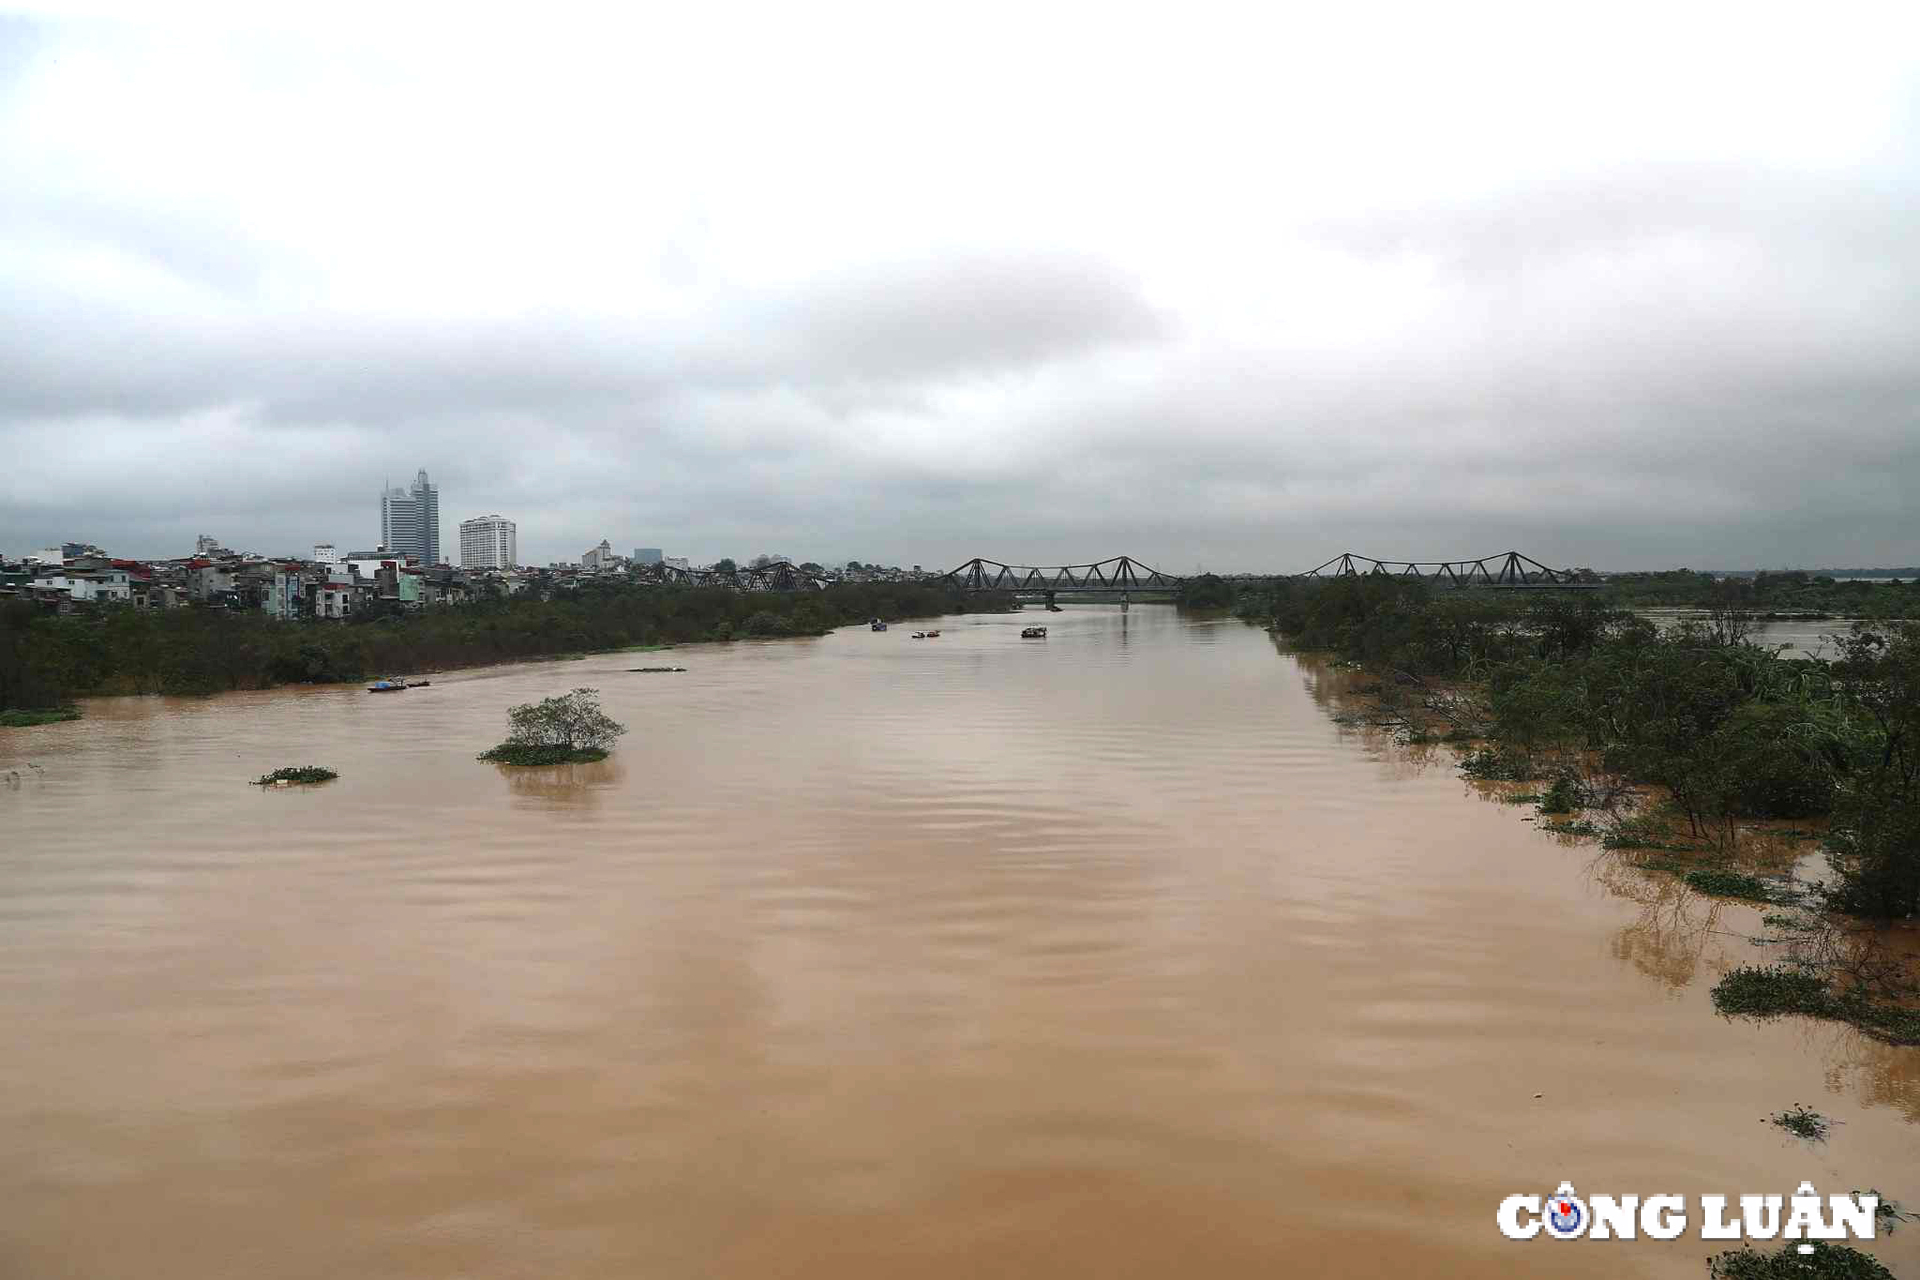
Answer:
[(489, 542), (102, 586), (368, 564), (334, 599), (281, 597), (205, 545), (677, 562), (646, 555), (206, 581), (596, 559), (410, 520)]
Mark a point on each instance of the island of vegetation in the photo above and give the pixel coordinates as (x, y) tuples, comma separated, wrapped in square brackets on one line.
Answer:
[(23, 717), (569, 729), (46, 660), (1661, 743), (295, 774)]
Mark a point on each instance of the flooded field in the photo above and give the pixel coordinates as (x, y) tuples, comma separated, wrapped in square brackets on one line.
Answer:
[(1105, 954), (1802, 637)]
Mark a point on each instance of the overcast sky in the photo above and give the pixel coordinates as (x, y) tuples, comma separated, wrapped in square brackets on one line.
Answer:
[(1237, 288)]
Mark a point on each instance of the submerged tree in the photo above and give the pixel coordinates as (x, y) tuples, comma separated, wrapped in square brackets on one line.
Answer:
[(1874, 842), (558, 730)]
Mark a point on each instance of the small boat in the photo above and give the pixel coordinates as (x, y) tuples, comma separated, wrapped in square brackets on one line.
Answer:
[(1033, 633), (877, 625), (387, 686), (419, 684), (919, 635), (933, 635)]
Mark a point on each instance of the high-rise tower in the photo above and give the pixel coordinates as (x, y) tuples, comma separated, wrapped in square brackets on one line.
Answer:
[(488, 542), (410, 520)]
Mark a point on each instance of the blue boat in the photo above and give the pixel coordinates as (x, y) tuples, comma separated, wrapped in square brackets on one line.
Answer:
[(387, 686), (878, 625)]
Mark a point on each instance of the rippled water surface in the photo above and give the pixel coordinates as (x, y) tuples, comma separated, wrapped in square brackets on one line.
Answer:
[(1110, 954)]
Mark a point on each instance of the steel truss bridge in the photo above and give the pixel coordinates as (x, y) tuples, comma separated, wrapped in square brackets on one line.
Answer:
[(1509, 570), (1122, 575)]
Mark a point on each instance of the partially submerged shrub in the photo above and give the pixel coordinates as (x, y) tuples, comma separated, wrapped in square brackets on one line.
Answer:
[(1826, 1262), (1504, 764), (541, 753), (558, 731), (1752, 991), (1725, 883), (296, 773), (1802, 1122), (1565, 795), (23, 719)]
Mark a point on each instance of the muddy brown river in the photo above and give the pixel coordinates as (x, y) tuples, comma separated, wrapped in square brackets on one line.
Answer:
[(1110, 954)]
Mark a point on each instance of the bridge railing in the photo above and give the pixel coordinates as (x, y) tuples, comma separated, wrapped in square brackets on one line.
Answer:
[(1508, 569), (1120, 573)]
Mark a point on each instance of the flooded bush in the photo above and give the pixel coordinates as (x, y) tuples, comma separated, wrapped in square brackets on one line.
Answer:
[(1651, 831), (23, 719), (1756, 992), (1826, 1262), (302, 773), (533, 753), (1725, 883), (1873, 845), (559, 730), (1566, 794), (1802, 1122), (1500, 764)]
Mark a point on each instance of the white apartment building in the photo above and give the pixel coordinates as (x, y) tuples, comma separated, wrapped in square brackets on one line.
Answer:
[(598, 559), (488, 542)]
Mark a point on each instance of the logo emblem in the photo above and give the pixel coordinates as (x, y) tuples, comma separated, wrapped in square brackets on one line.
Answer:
[(1566, 1213)]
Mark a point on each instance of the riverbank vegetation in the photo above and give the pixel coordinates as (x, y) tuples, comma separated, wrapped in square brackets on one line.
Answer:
[(299, 773), (1672, 741), (570, 729), (22, 718), (47, 660), (1782, 593), (1206, 591)]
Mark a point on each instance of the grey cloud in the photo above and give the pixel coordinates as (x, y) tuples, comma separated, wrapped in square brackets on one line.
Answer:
[(1691, 360)]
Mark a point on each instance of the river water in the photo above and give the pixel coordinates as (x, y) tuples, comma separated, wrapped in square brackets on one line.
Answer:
[(1109, 954)]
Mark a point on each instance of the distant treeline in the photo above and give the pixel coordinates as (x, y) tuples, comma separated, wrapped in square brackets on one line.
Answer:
[(47, 659), (1790, 591), (1729, 728), (1784, 592), (1911, 571)]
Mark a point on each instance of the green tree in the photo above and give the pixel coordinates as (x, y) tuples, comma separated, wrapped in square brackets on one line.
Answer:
[(573, 722), (1873, 844)]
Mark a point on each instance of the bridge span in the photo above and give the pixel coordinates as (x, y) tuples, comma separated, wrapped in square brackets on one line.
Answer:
[(1120, 575), (1511, 571), (1128, 578)]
